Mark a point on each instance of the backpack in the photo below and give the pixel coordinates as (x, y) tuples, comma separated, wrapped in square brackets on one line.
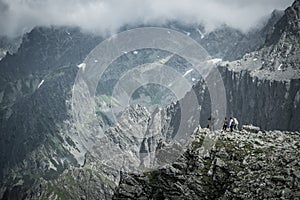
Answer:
[(235, 121)]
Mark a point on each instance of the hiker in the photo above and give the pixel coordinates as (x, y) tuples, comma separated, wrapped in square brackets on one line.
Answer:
[(211, 121), (236, 123), (225, 124), (231, 124)]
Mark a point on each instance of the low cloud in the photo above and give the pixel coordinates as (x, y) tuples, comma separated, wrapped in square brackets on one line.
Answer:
[(106, 16)]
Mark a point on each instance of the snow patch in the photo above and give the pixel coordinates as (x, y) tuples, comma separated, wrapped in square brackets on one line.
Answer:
[(254, 59), (187, 72), (200, 32), (95, 61), (215, 60), (187, 33), (41, 83), (135, 52), (82, 66), (52, 166), (193, 79), (279, 68)]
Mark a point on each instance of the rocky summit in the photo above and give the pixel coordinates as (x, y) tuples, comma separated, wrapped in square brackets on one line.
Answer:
[(245, 164)]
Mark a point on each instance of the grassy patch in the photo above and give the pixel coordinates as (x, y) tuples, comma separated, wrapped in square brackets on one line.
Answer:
[(61, 194), (70, 178), (196, 145), (152, 176), (258, 151), (248, 146)]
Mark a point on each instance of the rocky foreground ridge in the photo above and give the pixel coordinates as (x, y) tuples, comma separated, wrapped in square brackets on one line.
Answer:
[(246, 164)]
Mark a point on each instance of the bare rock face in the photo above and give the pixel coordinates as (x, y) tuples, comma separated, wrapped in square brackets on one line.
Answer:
[(263, 87), (288, 25), (282, 51), (219, 165), (39, 159), (251, 128)]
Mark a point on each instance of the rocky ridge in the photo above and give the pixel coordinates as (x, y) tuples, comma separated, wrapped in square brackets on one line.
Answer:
[(246, 164)]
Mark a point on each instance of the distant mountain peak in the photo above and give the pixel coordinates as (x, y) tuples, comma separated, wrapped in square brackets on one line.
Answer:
[(288, 25), (279, 57)]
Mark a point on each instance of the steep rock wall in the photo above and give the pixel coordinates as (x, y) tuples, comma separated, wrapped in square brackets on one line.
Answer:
[(270, 104)]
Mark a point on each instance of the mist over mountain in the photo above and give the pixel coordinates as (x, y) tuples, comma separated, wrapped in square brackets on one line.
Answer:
[(154, 147), (106, 17)]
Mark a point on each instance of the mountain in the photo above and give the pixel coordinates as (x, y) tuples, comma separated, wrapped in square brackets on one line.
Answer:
[(283, 43), (46, 154), (35, 85), (244, 164)]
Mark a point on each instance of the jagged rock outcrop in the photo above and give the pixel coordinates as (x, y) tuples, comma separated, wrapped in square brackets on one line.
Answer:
[(218, 165), (38, 152)]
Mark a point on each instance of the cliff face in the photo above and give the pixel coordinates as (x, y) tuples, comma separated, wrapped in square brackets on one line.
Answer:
[(243, 164), (270, 104), (41, 160), (262, 88)]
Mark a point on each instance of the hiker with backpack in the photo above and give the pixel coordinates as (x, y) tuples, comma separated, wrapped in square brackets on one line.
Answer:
[(236, 123), (225, 124), (231, 123)]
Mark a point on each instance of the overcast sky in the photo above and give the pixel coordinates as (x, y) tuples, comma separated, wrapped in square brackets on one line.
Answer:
[(104, 16)]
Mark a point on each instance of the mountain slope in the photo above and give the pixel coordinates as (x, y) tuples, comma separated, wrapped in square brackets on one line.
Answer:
[(243, 164), (38, 154)]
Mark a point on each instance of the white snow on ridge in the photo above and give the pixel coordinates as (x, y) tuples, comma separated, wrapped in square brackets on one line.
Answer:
[(279, 68), (82, 65), (187, 33), (215, 60), (135, 52), (41, 83), (187, 72)]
